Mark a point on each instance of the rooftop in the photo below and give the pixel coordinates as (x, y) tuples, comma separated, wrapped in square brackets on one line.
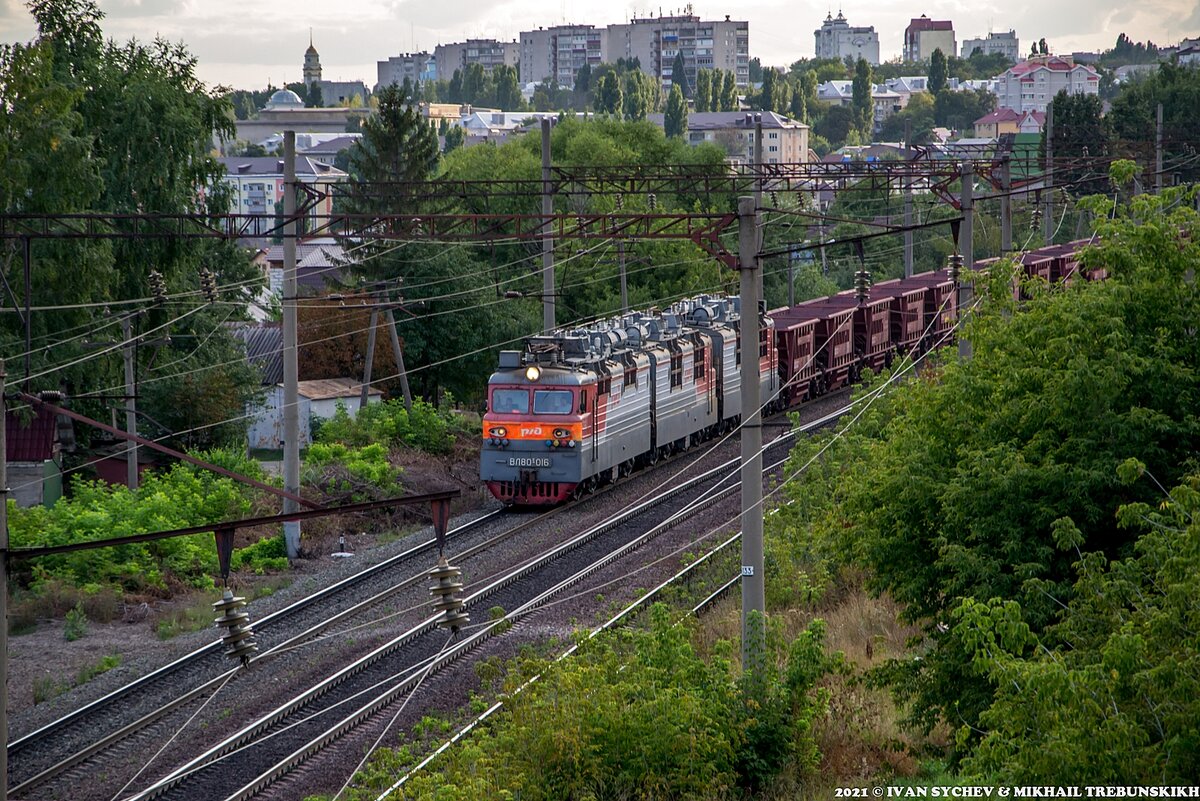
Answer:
[(272, 165)]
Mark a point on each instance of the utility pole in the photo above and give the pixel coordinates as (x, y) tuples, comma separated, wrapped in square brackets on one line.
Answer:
[(1005, 204), (131, 454), (366, 382), (291, 364), (967, 277), (1158, 151), (1048, 191), (547, 237), (624, 285), (758, 190), (400, 371), (753, 585), (3, 589), (908, 202)]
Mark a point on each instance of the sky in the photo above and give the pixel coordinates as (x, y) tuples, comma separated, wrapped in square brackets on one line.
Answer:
[(246, 44)]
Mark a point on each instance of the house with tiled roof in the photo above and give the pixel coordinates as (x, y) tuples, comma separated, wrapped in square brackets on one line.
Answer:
[(784, 140), (1032, 84), (1009, 121)]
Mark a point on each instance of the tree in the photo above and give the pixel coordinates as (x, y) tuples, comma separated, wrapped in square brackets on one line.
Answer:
[(703, 90), (315, 100), (1134, 112), (863, 105), (608, 95), (583, 81), (996, 511), (508, 91), (454, 137), (675, 118), (767, 95), (679, 74), (729, 99), (454, 90), (396, 145), (920, 113), (756, 70), (937, 72), (835, 125), (958, 110), (1079, 127), (89, 125), (639, 96), (477, 85), (1043, 48)]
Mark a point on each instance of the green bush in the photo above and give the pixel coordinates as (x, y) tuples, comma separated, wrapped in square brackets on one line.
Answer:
[(178, 497), (339, 468), (634, 714), (390, 424), (269, 553)]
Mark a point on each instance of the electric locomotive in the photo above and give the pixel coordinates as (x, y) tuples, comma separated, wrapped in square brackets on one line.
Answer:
[(582, 407)]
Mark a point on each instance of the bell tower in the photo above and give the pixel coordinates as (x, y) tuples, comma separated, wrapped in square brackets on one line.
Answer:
[(312, 63)]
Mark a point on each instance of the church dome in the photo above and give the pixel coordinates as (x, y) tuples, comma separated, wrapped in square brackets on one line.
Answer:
[(284, 98)]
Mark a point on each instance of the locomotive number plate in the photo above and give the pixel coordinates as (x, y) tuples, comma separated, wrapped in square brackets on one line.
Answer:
[(529, 461)]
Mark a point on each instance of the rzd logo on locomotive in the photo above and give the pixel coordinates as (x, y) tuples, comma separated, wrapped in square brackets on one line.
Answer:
[(536, 431)]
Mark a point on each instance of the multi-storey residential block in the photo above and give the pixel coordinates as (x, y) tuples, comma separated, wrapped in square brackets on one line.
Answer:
[(489, 53), (1006, 44), (413, 67), (837, 39), (560, 52), (924, 35), (257, 182), (1032, 84), (785, 141), (655, 41)]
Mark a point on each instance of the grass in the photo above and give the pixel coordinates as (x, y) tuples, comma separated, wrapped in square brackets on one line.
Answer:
[(48, 687), (194, 617)]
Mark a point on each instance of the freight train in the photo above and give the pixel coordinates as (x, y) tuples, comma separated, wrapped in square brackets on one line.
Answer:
[(582, 407)]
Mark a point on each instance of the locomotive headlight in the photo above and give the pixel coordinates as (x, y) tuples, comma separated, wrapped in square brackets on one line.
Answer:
[(533, 372), (498, 432), (562, 433)]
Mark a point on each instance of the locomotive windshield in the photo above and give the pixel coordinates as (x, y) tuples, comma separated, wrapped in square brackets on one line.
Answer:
[(552, 401), (511, 401)]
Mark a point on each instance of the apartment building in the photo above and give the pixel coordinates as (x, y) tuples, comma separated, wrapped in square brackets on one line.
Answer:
[(836, 38), (1033, 83), (924, 35), (1006, 44), (413, 67), (785, 141), (489, 53), (655, 41), (559, 52)]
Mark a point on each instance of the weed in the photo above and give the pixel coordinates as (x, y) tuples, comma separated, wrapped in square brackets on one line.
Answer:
[(185, 621), (46, 688), (76, 623), (89, 672)]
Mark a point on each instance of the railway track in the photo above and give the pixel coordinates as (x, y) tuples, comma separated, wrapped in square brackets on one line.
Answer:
[(86, 735), (368, 689)]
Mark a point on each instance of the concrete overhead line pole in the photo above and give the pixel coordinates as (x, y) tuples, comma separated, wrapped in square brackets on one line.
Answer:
[(908, 204), (1005, 204), (3, 589), (1048, 190), (753, 584), (547, 236), (291, 365), (758, 194), (1158, 151), (131, 453), (967, 237)]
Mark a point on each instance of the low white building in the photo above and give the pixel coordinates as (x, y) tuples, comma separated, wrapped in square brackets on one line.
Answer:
[(1006, 44), (319, 399)]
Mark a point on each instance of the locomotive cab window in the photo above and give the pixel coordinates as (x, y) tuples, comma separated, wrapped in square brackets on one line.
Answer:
[(511, 401), (552, 401)]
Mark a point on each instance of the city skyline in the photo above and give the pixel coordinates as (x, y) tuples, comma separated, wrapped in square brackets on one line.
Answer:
[(268, 44)]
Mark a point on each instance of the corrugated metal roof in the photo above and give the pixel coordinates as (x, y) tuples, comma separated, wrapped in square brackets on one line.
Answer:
[(30, 439), (264, 348), (326, 388)]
